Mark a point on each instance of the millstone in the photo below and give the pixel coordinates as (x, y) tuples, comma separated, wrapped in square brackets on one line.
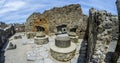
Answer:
[(73, 34), (41, 38), (40, 34), (62, 41), (73, 37), (63, 54)]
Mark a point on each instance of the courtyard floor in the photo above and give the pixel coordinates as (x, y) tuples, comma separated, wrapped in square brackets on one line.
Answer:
[(27, 49)]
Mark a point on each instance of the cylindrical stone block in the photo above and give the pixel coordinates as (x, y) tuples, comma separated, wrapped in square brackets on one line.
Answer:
[(40, 34), (63, 54), (62, 41), (42, 40), (73, 37)]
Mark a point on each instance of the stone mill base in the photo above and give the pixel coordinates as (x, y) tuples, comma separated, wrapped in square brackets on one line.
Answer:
[(41, 40), (63, 54), (74, 39)]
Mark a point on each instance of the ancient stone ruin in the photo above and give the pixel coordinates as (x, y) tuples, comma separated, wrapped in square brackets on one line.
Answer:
[(61, 29), (64, 34), (68, 15), (98, 36), (30, 35), (116, 56), (63, 49), (73, 36), (35, 21), (19, 27), (41, 38), (99, 31), (6, 32)]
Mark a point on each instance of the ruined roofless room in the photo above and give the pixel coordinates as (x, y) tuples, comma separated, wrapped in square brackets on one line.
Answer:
[(59, 31)]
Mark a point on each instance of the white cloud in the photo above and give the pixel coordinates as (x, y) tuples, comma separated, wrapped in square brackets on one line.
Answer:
[(12, 6), (2, 2), (19, 10)]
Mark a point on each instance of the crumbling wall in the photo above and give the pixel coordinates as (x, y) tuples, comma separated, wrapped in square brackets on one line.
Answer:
[(4, 36), (2, 25), (117, 50), (115, 28), (30, 20), (98, 35), (69, 14), (92, 33), (40, 22), (19, 27), (36, 19)]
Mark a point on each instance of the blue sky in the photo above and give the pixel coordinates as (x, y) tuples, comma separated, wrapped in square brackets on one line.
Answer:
[(17, 11)]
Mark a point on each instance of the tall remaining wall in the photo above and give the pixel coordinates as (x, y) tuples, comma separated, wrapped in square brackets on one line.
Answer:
[(117, 50), (99, 34), (4, 36), (71, 15)]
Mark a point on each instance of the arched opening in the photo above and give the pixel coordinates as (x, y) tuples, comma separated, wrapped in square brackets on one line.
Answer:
[(40, 24), (40, 29)]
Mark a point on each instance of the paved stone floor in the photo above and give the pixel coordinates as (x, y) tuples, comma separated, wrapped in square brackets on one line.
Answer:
[(40, 53)]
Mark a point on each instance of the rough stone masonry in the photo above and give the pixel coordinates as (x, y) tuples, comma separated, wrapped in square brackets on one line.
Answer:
[(117, 50), (98, 35), (70, 15)]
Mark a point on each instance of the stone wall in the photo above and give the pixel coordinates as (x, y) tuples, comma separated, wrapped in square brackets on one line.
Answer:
[(42, 23), (5, 34), (99, 34), (115, 28), (3, 25), (19, 27), (116, 55), (71, 15), (1, 37)]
